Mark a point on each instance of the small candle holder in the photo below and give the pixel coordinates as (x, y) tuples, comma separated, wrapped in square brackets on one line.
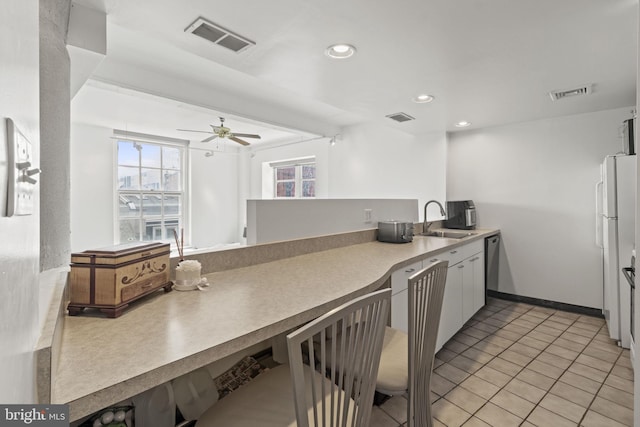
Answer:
[(187, 275)]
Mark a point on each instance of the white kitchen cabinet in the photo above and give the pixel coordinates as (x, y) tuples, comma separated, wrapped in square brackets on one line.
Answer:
[(467, 289), (400, 295), (473, 279), (464, 291), (400, 310), (451, 315), (477, 265), (454, 256), (463, 294)]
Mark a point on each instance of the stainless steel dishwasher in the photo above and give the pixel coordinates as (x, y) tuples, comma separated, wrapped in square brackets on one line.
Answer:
[(491, 262)]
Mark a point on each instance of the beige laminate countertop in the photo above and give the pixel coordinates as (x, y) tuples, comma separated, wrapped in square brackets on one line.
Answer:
[(103, 361)]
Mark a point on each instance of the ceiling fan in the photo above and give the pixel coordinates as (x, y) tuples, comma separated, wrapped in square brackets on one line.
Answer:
[(224, 132)]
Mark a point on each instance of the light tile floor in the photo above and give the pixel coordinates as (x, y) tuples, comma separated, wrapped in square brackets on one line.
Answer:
[(516, 364)]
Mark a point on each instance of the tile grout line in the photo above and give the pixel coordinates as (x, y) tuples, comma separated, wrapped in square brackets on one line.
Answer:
[(555, 380), (567, 369), (521, 368), (602, 383), (493, 358), (547, 317), (600, 388)]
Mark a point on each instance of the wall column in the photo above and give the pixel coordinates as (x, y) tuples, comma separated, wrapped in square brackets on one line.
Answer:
[(55, 148)]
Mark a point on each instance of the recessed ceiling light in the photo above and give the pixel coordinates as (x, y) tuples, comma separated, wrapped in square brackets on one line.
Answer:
[(463, 124), (340, 51), (423, 98)]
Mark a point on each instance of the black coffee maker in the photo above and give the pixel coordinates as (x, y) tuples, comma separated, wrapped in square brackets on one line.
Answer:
[(461, 215)]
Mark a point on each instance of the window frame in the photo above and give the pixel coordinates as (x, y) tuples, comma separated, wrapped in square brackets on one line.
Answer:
[(183, 216), (298, 179)]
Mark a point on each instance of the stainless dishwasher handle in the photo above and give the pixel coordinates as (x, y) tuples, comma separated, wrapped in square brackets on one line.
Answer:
[(627, 274)]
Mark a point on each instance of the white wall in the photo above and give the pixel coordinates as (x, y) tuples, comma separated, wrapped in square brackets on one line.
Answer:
[(373, 161), (368, 161), (636, 326), (318, 148), (92, 178), (19, 252), (277, 220), (252, 164), (536, 182), (54, 124), (214, 212), (214, 195)]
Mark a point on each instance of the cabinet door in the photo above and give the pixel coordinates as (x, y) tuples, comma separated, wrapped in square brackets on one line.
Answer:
[(444, 256), (477, 266), (468, 292), (474, 248), (400, 295), (400, 310), (472, 283), (451, 316)]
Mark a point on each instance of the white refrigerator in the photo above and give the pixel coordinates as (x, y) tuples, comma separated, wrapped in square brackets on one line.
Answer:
[(615, 234)]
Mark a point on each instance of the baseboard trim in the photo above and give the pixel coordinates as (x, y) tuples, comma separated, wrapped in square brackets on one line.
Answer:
[(589, 311)]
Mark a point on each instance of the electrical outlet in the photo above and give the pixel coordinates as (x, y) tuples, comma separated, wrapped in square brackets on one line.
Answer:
[(367, 216)]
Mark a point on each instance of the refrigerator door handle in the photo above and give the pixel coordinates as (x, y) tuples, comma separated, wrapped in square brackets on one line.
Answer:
[(599, 215)]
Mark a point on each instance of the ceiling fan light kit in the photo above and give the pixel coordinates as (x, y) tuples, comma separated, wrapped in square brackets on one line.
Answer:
[(224, 132)]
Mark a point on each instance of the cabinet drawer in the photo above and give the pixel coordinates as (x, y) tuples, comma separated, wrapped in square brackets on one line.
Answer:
[(454, 256), (142, 287), (474, 247), (400, 277)]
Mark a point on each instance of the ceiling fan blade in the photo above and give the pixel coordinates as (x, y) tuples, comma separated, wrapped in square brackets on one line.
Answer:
[(211, 138), (238, 140), (191, 130), (247, 135)]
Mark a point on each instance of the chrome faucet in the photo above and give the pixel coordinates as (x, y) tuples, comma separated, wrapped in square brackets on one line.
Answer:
[(427, 224)]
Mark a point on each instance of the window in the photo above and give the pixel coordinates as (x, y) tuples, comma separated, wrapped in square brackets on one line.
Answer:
[(294, 178), (151, 195)]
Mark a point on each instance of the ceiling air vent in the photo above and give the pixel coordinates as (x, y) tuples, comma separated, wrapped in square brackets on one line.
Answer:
[(219, 35), (560, 94), (400, 117)]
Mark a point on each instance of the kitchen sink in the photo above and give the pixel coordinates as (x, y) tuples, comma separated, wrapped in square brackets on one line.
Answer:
[(450, 234)]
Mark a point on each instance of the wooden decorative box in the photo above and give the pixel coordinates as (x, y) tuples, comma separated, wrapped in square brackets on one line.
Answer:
[(110, 278)]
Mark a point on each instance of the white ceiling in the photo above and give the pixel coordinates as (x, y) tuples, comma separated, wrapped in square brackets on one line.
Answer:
[(490, 62), (122, 109)]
